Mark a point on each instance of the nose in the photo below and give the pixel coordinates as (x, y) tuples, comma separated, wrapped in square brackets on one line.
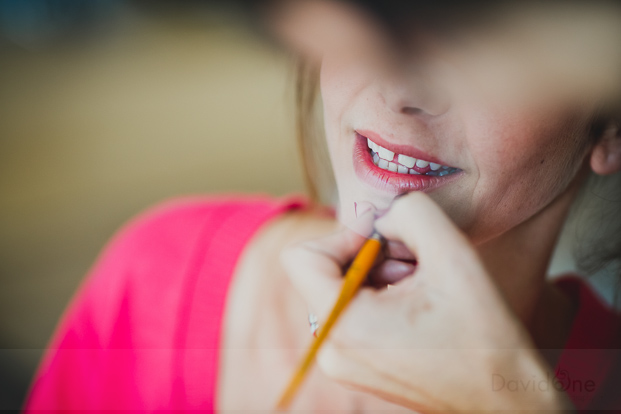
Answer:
[(409, 92)]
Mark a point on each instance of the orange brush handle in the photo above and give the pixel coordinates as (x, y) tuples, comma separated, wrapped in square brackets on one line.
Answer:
[(354, 277)]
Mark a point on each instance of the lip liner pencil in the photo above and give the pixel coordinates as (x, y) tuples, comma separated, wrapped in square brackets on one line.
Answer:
[(355, 275)]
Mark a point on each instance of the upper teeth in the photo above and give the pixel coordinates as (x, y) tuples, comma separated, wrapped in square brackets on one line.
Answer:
[(407, 161), (386, 154), (404, 164)]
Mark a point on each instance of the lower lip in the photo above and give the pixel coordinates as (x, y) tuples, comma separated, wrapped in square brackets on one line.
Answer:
[(389, 181)]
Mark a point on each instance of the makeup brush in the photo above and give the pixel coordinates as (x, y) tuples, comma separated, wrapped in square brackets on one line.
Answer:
[(355, 275)]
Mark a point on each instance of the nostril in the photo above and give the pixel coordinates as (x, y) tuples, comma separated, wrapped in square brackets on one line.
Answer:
[(409, 110), (414, 97)]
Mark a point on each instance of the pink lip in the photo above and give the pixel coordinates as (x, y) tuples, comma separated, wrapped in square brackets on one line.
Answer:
[(400, 149), (389, 181)]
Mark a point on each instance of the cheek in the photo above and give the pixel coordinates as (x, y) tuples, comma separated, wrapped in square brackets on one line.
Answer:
[(334, 96), (523, 164), (341, 84)]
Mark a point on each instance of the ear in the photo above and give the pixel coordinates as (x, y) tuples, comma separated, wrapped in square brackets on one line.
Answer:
[(606, 154)]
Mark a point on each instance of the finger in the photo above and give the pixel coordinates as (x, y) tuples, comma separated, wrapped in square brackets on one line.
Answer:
[(315, 267), (439, 246), (363, 224), (418, 222)]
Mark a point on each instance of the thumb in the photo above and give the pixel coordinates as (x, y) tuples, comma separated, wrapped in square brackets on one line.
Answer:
[(441, 249)]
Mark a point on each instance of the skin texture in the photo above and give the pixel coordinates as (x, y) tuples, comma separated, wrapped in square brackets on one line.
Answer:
[(402, 344), (515, 162), (482, 242), (521, 164)]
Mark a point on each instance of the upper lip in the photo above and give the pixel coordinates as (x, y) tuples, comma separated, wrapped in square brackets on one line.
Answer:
[(400, 148)]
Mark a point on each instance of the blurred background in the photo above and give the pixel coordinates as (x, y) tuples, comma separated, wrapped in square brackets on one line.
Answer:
[(107, 107)]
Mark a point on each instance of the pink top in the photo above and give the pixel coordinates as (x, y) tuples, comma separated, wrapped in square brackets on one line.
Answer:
[(143, 331)]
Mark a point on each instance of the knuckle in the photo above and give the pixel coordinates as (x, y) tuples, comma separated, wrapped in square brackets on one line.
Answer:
[(414, 201), (341, 334), (290, 256), (330, 360), (351, 331)]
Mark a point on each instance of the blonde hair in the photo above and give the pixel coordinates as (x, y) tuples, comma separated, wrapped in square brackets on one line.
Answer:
[(316, 167)]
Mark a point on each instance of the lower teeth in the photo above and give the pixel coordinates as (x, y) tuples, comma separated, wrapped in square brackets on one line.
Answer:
[(441, 173)]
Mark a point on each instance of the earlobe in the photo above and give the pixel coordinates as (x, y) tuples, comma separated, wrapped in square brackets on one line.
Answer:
[(606, 154)]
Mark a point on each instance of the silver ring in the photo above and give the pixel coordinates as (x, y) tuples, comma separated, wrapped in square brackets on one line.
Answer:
[(313, 322)]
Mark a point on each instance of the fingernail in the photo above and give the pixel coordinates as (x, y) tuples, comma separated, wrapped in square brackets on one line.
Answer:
[(363, 223), (363, 207)]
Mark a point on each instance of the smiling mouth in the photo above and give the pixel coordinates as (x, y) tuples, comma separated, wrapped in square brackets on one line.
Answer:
[(403, 164), (398, 169)]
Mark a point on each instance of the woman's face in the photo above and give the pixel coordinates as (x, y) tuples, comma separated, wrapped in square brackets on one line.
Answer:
[(489, 166)]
